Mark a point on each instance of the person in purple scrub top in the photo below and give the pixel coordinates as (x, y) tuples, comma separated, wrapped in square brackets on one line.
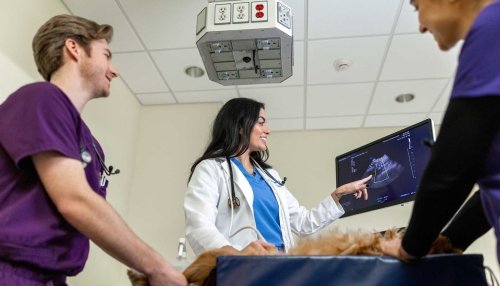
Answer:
[(467, 151), (52, 170)]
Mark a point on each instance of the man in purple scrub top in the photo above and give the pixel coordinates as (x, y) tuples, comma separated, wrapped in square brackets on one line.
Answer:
[(52, 171)]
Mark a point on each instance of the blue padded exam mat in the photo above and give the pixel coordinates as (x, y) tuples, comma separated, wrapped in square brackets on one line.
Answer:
[(443, 269)]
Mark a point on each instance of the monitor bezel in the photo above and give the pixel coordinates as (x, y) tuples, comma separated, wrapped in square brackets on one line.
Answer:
[(393, 202)]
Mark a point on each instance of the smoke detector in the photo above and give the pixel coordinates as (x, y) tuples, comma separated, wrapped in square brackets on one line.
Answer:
[(342, 65)]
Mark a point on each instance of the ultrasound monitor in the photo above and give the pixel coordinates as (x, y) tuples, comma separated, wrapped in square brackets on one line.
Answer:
[(396, 163)]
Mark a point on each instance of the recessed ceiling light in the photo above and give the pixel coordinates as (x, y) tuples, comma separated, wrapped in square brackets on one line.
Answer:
[(194, 71), (405, 97)]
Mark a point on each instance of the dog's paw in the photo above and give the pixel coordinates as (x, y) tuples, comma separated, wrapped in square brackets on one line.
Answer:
[(137, 279), (443, 245)]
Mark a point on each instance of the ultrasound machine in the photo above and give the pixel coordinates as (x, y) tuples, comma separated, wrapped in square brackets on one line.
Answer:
[(396, 163)]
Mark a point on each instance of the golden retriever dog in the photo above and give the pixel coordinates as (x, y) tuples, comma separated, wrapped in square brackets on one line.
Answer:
[(334, 243)]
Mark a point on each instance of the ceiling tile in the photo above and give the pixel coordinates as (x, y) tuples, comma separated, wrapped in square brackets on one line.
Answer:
[(139, 72), (408, 20), (365, 61), (442, 103), (155, 42), (284, 102), (417, 56), (155, 98), (390, 120), (341, 18), (437, 117), (205, 95), (334, 122), (164, 23), (426, 93), (108, 12), (338, 100), (172, 64)]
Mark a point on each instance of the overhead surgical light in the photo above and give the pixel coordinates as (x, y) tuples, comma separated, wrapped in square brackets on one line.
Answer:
[(246, 42)]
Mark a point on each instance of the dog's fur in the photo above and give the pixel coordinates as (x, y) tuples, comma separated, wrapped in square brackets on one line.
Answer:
[(335, 243)]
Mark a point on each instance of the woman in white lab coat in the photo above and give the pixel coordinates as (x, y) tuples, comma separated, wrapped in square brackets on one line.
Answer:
[(234, 198)]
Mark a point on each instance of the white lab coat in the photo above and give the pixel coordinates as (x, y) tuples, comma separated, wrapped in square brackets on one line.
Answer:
[(211, 223)]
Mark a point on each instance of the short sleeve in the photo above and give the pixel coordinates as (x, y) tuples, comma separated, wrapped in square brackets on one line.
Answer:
[(39, 118)]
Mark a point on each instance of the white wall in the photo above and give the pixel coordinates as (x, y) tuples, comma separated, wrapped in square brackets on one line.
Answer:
[(170, 139), (19, 21), (114, 122), (155, 146)]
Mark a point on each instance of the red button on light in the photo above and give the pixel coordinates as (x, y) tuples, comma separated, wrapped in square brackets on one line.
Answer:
[(259, 14), (259, 7)]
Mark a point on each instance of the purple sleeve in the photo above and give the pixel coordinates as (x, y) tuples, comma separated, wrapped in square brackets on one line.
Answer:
[(457, 161), (39, 118)]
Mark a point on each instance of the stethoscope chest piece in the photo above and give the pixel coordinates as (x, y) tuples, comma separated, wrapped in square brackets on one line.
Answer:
[(234, 201), (86, 157)]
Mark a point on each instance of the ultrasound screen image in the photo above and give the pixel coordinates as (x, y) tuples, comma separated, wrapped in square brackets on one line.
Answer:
[(383, 170), (396, 163)]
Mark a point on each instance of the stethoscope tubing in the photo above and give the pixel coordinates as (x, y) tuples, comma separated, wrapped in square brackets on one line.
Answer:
[(233, 200)]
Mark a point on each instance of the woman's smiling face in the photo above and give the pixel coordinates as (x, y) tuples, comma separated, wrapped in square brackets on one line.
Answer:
[(260, 131)]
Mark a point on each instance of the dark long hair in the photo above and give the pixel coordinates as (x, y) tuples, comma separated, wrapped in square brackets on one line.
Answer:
[(235, 115)]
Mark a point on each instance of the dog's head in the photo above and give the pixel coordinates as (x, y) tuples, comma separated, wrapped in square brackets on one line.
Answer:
[(198, 271)]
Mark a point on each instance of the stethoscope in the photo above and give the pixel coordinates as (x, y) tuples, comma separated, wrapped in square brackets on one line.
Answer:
[(87, 159), (233, 201)]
